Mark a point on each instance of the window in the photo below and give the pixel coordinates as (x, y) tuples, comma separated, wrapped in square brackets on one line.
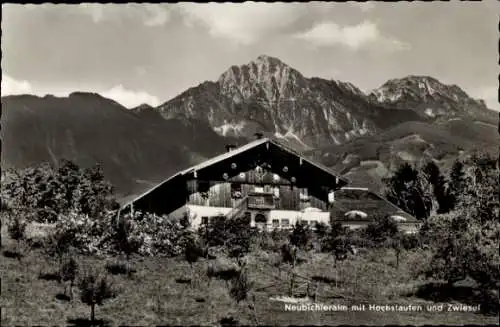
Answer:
[(331, 197), (276, 223), (204, 220), (285, 222), (276, 192), (260, 219), (236, 192), (258, 189), (304, 194)]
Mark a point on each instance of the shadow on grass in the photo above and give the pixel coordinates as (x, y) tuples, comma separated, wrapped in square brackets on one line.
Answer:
[(183, 280), (327, 280), (443, 292), (12, 254), (85, 322), (120, 268), (63, 297), (50, 276), (228, 321)]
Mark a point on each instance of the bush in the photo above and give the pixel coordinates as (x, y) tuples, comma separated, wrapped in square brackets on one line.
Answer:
[(381, 230), (301, 236), (95, 290), (240, 286), (17, 228), (119, 268), (233, 234)]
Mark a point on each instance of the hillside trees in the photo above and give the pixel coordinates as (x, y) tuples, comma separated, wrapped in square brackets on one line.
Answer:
[(410, 190), (43, 193), (465, 241)]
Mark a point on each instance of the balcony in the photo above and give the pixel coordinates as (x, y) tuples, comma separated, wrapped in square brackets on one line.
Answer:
[(261, 201)]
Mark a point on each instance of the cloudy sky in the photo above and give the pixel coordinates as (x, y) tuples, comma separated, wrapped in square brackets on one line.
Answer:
[(140, 53)]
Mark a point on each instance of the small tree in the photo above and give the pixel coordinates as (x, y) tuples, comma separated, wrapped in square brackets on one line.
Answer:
[(95, 290), (239, 290), (69, 272), (193, 251), (381, 230), (301, 235), (17, 232), (126, 239)]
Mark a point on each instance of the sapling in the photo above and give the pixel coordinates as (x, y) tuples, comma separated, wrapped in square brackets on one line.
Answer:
[(95, 290), (69, 272)]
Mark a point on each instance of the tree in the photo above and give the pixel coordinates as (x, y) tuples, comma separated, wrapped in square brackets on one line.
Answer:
[(95, 290), (410, 190), (439, 190), (456, 183), (381, 230), (42, 193), (301, 235), (465, 241), (17, 232), (69, 272), (126, 239)]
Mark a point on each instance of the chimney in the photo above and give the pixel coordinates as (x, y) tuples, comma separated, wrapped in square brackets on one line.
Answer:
[(230, 147), (258, 135)]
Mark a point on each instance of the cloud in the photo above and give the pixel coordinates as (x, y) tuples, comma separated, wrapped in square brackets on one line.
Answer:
[(327, 34), (364, 6), (244, 23), (11, 86), (129, 98), (148, 14)]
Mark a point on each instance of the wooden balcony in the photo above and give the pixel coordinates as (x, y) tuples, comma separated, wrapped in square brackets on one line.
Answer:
[(261, 201)]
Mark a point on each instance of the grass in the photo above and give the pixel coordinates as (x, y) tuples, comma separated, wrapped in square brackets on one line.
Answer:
[(156, 294)]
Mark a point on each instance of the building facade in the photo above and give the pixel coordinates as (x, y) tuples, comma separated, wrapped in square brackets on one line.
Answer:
[(264, 180)]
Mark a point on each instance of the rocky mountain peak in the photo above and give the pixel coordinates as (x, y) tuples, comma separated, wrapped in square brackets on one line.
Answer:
[(265, 76), (428, 96)]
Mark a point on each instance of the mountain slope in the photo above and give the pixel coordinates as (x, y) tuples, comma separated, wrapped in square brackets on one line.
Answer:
[(135, 149), (431, 98), (268, 95), (365, 161)]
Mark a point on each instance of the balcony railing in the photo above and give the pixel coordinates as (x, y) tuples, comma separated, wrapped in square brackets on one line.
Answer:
[(261, 201)]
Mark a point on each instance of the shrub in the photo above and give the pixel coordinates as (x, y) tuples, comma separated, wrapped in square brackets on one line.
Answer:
[(95, 290), (17, 228), (301, 236), (240, 286), (119, 268), (69, 272)]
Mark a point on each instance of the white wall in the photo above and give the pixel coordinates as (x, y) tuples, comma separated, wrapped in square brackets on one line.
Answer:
[(196, 212), (294, 216)]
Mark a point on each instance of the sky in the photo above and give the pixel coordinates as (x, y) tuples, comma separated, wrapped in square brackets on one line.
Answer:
[(149, 53)]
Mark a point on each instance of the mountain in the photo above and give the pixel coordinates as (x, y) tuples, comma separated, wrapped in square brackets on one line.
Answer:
[(365, 136), (136, 149), (432, 99), (366, 160), (268, 95)]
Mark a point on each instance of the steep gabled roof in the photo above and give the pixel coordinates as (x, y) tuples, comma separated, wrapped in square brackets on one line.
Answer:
[(232, 153)]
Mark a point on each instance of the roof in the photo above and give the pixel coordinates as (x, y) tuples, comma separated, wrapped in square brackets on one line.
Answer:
[(230, 154), (374, 204)]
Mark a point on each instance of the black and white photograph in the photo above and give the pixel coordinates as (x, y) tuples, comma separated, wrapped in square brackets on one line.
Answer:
[(250, 164)]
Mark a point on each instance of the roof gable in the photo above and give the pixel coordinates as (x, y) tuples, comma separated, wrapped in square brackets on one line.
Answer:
[(256, 145)]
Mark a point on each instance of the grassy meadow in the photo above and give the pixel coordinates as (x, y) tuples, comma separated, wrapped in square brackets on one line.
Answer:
[(159, 292)]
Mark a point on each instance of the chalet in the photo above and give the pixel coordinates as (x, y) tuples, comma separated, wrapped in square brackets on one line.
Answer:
[(271, 184), (264, 180)]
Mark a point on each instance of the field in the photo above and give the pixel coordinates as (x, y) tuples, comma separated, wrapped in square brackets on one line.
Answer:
[(158, 292)]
